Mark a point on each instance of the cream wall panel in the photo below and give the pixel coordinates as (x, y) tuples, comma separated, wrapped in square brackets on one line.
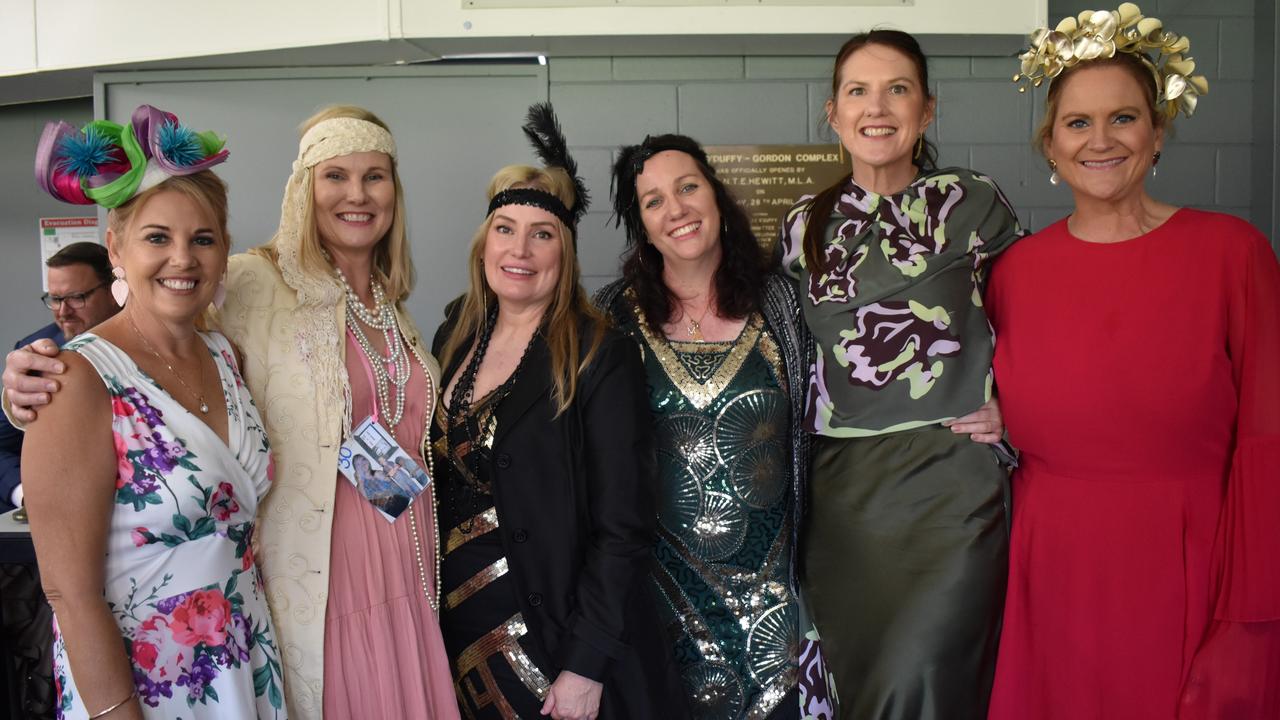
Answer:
[(570, 18), (17, 36), (81, 33)]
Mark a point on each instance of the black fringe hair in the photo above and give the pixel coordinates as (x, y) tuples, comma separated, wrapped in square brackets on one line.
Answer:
[(740, 279)]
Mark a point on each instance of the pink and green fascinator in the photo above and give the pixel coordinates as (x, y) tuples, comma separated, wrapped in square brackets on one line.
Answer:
[(106, 163)]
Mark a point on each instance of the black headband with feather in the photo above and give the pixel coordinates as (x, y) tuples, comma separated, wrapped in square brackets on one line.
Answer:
[(629, 166), (543, 131)]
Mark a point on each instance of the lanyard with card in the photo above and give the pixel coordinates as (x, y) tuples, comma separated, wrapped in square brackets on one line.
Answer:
[(379, 468)]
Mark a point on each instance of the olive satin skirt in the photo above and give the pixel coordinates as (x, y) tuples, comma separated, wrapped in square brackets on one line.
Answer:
[(906, 553)]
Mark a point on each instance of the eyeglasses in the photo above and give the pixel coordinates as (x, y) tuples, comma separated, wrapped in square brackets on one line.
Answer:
[(75, 300)]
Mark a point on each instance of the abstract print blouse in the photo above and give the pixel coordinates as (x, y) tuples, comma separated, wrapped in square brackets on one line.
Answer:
[(902, 337)]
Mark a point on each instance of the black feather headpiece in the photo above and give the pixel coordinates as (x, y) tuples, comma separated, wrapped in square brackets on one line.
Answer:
[(543, 131), (630, 164)]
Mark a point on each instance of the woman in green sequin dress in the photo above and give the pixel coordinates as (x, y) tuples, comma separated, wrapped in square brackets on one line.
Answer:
[(723, 350)]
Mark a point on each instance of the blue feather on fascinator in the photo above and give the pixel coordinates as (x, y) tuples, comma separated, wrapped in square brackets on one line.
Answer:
[(180, 145), (82, 153)]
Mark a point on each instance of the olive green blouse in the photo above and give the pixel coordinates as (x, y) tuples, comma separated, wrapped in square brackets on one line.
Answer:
[(902, 338)]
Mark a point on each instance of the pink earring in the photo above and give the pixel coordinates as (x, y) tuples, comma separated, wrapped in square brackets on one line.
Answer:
[(220, 293), (119, 288)]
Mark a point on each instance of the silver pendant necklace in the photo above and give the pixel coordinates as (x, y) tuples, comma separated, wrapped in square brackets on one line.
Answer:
[(204, 406)]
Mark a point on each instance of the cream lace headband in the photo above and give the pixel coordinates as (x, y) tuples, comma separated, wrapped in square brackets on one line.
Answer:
[(315, 322), (342, 136)]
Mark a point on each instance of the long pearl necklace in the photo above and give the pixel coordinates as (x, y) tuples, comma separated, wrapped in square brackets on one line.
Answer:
[(383, 318), (433, 599), (391, 370)]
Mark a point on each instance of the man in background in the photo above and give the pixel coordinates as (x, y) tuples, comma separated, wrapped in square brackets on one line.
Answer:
[(80, 298)]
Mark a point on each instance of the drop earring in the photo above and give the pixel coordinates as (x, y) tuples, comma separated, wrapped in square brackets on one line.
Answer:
[(220, 293), (1053, 174), (119, 288), (1155, 160)]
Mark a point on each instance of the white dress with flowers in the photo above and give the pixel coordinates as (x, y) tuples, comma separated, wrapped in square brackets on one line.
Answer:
[(180, 576)]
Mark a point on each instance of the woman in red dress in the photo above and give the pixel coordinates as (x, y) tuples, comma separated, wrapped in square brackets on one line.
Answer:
[(1137, 368)]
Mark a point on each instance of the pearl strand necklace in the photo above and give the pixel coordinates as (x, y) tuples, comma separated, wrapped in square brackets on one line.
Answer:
[(382, 317), (432, 600)]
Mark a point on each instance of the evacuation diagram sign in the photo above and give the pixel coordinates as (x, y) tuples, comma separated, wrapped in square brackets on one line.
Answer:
[(57, 233)]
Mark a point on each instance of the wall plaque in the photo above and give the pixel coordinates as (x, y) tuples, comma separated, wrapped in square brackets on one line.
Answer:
[(769, 179)]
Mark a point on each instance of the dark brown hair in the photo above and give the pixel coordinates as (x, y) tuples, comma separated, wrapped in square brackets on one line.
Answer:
[(740, 277), (1134, 65), (83, 253), (819, 208)]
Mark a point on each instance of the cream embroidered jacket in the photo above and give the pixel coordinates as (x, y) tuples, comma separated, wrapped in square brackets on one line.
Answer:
[(305, 428)]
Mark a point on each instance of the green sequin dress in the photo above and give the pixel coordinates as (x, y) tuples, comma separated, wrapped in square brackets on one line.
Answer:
[(722, 559)]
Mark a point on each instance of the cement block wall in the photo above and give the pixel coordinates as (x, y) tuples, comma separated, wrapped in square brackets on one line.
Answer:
[(605, 102), (982, 121)]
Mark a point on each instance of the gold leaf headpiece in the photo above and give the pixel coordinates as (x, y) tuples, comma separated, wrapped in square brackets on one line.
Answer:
[(1098, 34)]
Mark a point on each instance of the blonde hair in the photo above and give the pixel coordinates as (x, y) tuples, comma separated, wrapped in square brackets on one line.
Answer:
[(569, 305), (392, 260), (206, 190)]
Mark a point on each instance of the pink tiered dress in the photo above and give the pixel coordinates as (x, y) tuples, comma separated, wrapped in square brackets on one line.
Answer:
[(383, 653)]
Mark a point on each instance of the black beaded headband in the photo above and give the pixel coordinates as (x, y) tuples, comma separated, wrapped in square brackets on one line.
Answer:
[(534, 198), (543, 131)]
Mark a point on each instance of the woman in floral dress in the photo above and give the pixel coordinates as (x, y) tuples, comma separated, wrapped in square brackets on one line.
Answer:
[(145, 472), (318, 313)]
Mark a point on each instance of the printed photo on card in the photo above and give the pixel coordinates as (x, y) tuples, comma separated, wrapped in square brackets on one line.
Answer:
[(381, 470)]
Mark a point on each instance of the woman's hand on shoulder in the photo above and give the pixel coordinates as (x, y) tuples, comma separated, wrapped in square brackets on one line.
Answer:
[(80, 393), (573, 697), (25, 392), (984, 425)]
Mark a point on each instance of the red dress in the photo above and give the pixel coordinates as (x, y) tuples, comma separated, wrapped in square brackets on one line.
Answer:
[(1141, 380)]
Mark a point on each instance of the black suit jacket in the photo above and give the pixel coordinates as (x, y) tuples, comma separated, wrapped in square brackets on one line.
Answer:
[(11, 437), (576, 497)]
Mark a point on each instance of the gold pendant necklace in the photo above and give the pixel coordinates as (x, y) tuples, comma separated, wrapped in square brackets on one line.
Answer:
[(204, 406), (694, 327)]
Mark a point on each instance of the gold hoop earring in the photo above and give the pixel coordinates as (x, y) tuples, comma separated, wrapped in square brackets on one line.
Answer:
[(919, 146), (840, 151)]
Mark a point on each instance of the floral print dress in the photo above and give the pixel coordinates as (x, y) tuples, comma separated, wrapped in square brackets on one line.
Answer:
[(180, 576)]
